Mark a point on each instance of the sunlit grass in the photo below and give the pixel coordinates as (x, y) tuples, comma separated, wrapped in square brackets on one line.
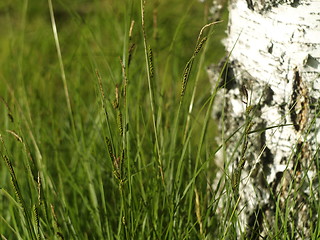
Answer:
[(106, 129), (92, 138)]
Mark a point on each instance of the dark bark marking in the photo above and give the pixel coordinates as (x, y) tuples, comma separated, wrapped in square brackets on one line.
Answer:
[(295, 3), (250, 4), (270, 48), (299, 106), (263, 6), (274, 186), (244, 94), (268, 96), (227, 77), (282, 108)]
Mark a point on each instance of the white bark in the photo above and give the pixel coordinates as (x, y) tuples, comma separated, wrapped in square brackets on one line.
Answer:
[(274, 51)]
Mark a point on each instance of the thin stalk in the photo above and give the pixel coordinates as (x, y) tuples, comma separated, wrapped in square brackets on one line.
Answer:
[(148, 67), (63, 75)]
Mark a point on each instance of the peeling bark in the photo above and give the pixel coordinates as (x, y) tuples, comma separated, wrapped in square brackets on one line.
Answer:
[(271, 87)]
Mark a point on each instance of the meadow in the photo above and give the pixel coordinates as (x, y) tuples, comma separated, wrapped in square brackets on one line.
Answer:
[(106, 129)]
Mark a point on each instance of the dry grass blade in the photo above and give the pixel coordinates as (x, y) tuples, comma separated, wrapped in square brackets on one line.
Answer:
[(15, 135), (125, 78), (39, 188), (198, 210), (131, 29)]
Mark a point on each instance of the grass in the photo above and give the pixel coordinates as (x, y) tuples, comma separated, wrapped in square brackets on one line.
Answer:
[(106, 130), (96, 137)]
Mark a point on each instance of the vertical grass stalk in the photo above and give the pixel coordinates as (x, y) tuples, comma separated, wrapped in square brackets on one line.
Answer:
[(63, 75), (148, 68)]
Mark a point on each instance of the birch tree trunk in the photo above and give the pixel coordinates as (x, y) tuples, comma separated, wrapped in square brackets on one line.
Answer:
[(271, 88)]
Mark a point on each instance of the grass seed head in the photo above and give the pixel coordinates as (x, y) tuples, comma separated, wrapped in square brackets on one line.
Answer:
[(130, 53), (186, 74), (109, 147), (36, 216), (119, 121), (116, 100), (198, 48), (150, 58)]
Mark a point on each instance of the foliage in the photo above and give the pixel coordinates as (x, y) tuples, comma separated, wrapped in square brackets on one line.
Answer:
[(96, 137), (106, 130)]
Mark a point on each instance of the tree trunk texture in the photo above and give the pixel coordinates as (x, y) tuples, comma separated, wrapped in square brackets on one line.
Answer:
[(269, 96)]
